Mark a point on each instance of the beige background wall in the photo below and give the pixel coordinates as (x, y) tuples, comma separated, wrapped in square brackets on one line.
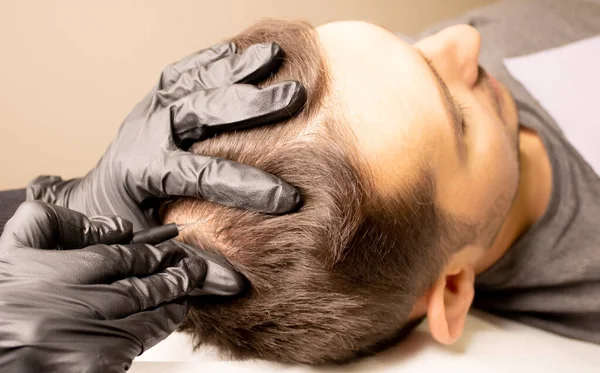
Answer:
[(70, 71)]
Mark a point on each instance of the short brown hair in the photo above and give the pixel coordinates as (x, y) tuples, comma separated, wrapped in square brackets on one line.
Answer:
[(336, 279)]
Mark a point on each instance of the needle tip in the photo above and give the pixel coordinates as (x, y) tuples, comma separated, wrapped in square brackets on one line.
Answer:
[(181, 227)]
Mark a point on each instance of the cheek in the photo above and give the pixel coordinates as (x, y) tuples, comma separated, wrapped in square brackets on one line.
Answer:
[(494, 165), (483, 188), (486, 185)]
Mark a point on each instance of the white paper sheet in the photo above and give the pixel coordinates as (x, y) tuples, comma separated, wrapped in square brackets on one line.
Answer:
[(566, 82), (489, 344)]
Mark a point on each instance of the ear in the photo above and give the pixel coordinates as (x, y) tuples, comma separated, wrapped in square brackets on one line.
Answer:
[(449, 301)]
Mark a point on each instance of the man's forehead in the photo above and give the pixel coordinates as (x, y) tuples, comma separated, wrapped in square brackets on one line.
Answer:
[(382, 87)]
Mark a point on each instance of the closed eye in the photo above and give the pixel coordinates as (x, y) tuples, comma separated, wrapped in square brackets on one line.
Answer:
[(464, 111), (455, 113)]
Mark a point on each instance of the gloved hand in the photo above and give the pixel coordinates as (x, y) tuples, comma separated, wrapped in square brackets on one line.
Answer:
[(195, 98), (71, 300)]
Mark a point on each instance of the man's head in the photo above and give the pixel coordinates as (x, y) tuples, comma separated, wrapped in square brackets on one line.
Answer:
[(430, 106), (397, 200)]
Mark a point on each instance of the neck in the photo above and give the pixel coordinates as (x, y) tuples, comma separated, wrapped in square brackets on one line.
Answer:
[(531, 201)]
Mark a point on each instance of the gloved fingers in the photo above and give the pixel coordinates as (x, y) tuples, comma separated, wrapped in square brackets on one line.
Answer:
[(172, 73), (87, 340), (154, 325), (136, 294), (102, 264), (41, 225), (235, 107), (97, 264), (225, 182), (251, 66), (256, 63)]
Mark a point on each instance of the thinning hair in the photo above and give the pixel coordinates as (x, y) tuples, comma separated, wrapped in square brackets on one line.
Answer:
[(337, 279)]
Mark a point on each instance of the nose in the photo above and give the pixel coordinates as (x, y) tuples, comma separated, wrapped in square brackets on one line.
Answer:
[(454, 52)]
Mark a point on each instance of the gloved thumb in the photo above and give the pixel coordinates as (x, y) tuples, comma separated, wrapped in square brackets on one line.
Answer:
[(41, 225)]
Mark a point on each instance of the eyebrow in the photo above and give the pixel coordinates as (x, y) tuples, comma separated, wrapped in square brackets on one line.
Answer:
[(449, 103)]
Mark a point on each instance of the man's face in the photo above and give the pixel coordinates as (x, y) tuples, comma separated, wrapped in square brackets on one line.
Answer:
[(446, 116)]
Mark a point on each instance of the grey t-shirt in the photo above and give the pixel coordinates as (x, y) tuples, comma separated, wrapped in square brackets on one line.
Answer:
[(550, 277)]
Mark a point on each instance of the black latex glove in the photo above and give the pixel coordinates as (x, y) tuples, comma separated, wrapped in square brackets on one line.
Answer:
[(194, 99), (73, 301)]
